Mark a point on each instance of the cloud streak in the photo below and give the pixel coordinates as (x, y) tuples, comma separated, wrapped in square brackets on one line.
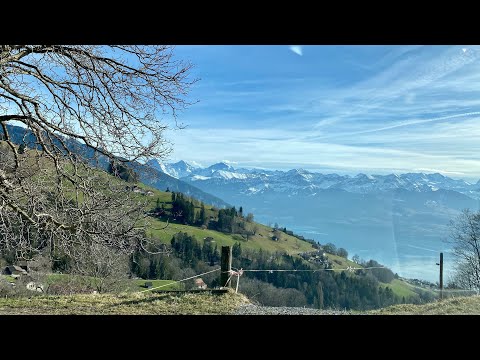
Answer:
[(297, 49)]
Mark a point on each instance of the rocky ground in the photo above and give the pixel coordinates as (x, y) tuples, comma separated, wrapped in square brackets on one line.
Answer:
[(250, 309)]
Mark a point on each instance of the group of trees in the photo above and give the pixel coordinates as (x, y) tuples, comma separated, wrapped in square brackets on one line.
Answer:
[(232, 221), (192, 212), (187, 258), (332, 249), (321, 289), (122, 171), (190, 251), (183, 209), (316, 289)]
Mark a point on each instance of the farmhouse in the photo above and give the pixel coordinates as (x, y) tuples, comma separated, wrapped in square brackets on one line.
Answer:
[(14, 271), (199, 283)]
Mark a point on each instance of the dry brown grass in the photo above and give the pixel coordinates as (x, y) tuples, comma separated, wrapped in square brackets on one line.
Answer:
[(125, 304), (467, 305)]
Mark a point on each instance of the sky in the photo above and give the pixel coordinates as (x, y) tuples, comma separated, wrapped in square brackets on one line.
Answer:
[(345, 109)]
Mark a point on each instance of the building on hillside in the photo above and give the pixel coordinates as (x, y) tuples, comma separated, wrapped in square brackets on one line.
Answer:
[(14, 271), (199, 283)]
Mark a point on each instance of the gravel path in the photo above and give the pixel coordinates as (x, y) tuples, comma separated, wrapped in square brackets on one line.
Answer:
[(268, 310)]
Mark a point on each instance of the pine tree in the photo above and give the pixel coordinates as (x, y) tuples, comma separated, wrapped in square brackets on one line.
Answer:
[(237, 250), (152, 270), (202, 219), (21, 148)]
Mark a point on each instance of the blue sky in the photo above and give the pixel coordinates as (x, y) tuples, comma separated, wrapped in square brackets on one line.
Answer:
[(344, 109)]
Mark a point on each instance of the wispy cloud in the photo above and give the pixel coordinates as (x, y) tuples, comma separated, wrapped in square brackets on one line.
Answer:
[(417, 107), (421, 248), (297, 49), (280, 149)]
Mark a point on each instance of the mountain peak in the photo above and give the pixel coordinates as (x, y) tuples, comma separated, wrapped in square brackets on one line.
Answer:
[(154, 163), (183, 164), (364, 176), (220, 166)]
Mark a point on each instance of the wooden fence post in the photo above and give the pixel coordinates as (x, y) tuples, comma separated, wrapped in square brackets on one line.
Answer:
[(441, 275), (226, 266)]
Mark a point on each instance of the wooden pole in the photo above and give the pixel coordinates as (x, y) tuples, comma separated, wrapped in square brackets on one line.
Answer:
[(441, 275), (226, 266)]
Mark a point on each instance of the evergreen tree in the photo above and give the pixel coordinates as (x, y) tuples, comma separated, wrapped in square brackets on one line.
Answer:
[(216, 256), (122, 171), (152, 270), (237, 250), (202, 219), (319, 297), (21, 148)]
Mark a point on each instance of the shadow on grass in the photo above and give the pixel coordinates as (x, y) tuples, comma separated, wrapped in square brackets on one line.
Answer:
[(167, 298)]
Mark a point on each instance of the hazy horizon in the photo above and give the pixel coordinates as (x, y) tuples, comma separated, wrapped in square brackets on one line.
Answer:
[(325, 171)]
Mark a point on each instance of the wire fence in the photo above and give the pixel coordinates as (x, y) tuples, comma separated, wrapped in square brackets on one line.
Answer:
[(239, 272)]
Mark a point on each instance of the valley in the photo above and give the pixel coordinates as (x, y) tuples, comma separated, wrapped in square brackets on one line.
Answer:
[(400, 220)]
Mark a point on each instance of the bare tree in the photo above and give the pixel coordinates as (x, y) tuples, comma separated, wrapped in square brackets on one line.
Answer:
[(102, 268), (114, 101), (465, 238)]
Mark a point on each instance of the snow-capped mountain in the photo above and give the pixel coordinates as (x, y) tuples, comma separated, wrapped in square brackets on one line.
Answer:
[(177, 170), (301, 181)]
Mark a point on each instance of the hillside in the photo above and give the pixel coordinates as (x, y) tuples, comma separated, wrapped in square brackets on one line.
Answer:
[(148, 175), (261, 240)]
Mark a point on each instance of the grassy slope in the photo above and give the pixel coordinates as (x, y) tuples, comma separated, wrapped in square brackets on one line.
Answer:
[(339, 262), (400, 288), (128, 303), (138, 284), (458, 305), (9, 278), (262, 240)]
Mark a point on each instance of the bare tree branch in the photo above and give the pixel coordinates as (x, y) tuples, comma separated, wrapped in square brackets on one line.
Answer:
[(117, 101)]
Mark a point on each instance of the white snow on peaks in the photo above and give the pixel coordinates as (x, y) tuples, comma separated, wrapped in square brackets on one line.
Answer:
[(199, 177), (230, 175)]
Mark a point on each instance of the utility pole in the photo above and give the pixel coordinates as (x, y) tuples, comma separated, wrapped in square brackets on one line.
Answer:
[(441, 275)]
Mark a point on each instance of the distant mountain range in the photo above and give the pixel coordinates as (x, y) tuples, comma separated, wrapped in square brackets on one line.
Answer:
[(400, 219), (304, 182)]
